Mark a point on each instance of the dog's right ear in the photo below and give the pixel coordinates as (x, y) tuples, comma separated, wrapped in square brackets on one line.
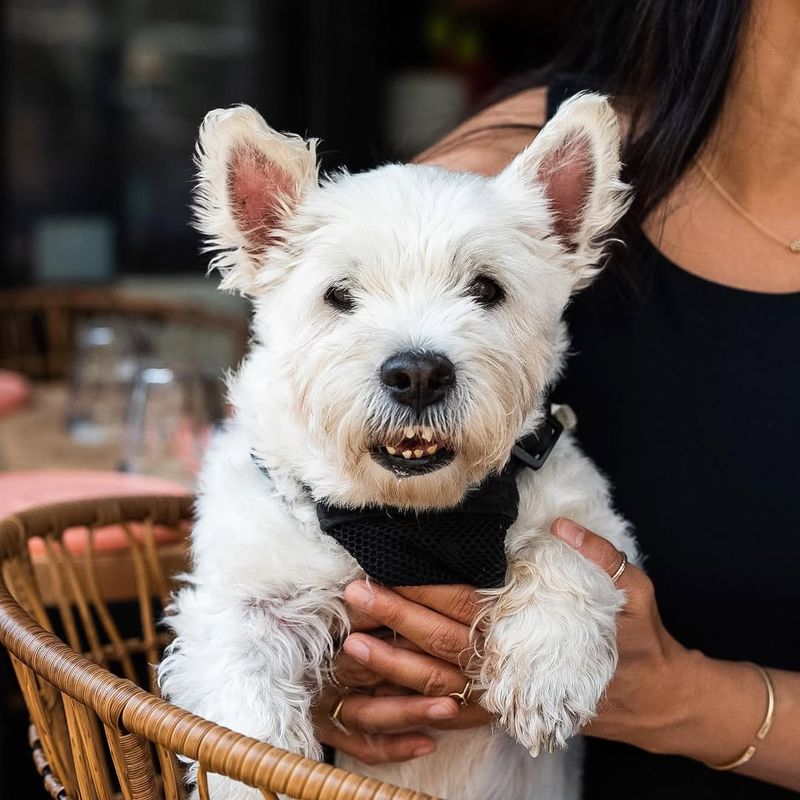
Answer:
[(250, 180)]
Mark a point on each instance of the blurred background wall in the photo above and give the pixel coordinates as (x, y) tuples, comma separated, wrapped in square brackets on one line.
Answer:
[(101, 102)]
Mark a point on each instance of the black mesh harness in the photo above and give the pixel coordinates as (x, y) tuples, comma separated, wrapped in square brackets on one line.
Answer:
[(464, 544)]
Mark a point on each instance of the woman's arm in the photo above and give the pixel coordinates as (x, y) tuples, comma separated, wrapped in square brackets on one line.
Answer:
[(664, 698), (488, 141), (709, 709)]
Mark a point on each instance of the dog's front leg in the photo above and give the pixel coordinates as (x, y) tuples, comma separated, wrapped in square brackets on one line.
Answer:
[(550, 643), (250, 665)]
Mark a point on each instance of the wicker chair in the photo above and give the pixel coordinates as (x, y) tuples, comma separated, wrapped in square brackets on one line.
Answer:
[(96, 733), (37, 324)]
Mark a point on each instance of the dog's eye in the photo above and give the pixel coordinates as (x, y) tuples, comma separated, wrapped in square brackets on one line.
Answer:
[(340, 298), (486, 291)]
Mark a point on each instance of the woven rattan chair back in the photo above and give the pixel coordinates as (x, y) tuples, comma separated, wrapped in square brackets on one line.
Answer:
[(84, 666), (37, 325)]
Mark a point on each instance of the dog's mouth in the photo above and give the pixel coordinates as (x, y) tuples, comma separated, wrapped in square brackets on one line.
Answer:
[(413, 451)]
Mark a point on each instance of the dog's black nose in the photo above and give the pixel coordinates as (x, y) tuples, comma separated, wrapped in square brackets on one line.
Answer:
[(418, 379)]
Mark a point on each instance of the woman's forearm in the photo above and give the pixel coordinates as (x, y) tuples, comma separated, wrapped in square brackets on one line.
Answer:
[(668, 699), (728, 703), (710, 711), (778, 757)]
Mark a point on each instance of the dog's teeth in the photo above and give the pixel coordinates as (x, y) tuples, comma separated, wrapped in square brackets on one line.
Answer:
[(391, 450), (409, 432), (406, 454), (419, 453), (427, 434), (432, 449)]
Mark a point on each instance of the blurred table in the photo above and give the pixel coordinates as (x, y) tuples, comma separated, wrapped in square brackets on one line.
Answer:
[(35, 437), (27, 488)]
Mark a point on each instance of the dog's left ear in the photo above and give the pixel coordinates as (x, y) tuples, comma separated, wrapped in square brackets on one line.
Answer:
[(250, 180), (574, 165)]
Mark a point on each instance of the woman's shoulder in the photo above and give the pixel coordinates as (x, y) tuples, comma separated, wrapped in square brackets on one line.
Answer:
[(488, 140)]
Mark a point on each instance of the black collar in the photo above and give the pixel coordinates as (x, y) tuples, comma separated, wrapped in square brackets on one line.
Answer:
[(465, 544), (533, 450)]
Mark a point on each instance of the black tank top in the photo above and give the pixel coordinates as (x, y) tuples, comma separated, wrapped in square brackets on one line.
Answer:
[(687, 394)]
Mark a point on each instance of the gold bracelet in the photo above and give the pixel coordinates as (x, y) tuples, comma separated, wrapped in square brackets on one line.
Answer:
[(761, 732)]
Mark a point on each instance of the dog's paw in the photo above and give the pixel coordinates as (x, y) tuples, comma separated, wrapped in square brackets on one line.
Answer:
[(544, 681)]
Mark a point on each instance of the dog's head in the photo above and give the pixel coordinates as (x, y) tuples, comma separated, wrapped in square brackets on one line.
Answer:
[(408, 319)]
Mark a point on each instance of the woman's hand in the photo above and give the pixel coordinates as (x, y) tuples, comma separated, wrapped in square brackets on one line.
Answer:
[(409, 676), (668, 699), (663, 697), (651, 690), (643, 702)]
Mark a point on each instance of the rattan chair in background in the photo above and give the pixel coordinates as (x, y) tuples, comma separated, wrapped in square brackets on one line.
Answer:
[(98, 729), (37, 324)]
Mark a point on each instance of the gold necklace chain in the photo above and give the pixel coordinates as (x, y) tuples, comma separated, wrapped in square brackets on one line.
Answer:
[(793, 244)]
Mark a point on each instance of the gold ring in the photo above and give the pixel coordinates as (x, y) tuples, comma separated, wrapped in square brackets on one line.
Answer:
[(336, 682), (621, 568), (463, 696), (334, 716), (329, 670)]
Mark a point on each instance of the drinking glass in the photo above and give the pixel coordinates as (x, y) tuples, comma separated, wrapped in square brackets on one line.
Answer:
[(172, 413), (106, 356)]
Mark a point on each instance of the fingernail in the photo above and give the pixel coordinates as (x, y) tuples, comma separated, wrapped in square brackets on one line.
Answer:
[(569, 532), (424, 750), (442, 710), (358, 594), (356, 648)]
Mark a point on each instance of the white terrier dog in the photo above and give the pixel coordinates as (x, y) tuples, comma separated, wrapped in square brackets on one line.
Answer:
[(408, 324)]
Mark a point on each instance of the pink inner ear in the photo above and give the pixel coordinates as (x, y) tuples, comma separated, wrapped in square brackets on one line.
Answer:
[(567, 174), (259, 191)]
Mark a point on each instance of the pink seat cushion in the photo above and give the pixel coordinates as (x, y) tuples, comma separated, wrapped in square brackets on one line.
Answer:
[(21, 490), (15, 391)]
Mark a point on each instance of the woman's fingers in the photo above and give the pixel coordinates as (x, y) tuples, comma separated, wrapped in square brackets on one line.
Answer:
[(387, 714), (422, 673), (379, 749), (433, 632), (597, 549), (359, 621), (640, 598), (471, 716), (370, 748), (382, 728), (353, 674), (398, 714), (390, 690), (383, 741), (457, 601)]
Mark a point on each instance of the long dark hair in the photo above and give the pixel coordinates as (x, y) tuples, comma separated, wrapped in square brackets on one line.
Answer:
[(671, 61)]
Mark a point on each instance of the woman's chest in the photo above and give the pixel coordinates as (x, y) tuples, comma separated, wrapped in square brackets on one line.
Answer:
[(690, 407)]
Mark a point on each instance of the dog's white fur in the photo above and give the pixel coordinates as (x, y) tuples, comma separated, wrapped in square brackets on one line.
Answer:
[(258, 617)]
